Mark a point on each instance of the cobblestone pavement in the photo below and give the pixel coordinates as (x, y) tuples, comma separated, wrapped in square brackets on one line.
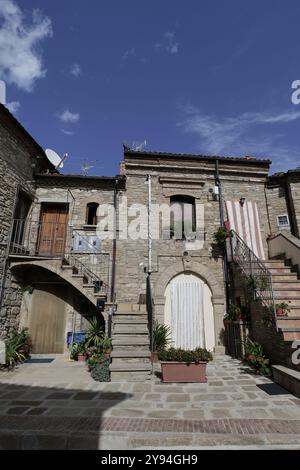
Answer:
[(58, 405)]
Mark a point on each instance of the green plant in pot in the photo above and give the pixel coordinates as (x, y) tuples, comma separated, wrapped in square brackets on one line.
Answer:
[(220, 237), (161, 339), (282, 309), (95, 333), (233, 314), (179, 365), (106, 345), (78, 351)]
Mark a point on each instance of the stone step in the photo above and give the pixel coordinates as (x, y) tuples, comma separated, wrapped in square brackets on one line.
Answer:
[(288, 322), (129, 316), (131, 360), (294, 310), (130, 329), (130, 308), (122, 340), (275, 264), (278, 285), (285, 270), (126, 353), (67, 267), (287, 293), (290, 334), (133, 376), (291, 301), (134, 321), (284, 277), (130, 367)]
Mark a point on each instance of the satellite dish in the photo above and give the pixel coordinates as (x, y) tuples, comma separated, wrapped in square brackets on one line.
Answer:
[(55, 159)]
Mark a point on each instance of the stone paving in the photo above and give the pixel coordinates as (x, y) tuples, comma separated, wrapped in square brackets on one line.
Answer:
[(58, 405)]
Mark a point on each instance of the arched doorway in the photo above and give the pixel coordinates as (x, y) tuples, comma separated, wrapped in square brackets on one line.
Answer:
[(189, 312)]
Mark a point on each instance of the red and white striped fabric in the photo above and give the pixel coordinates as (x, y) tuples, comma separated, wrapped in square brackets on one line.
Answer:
[(244, 220)]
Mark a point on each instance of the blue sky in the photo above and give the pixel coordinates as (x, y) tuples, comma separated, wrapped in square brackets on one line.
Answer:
[(195, 76)]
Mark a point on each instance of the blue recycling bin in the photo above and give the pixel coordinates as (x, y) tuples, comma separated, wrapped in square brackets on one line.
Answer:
[(78, 337)]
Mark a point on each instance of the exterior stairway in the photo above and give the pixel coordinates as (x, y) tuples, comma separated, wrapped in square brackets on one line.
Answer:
[(130, 341), (286, 287), (70, 270)]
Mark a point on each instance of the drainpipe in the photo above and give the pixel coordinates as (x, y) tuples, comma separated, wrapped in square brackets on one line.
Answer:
[(148, 289), (113, 267), (221, 210)]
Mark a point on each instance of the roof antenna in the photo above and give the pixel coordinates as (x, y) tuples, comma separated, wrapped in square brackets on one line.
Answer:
[(86, 166), (139, 146)]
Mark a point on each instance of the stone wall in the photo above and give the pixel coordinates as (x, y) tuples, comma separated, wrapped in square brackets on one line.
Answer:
[(16, 174)]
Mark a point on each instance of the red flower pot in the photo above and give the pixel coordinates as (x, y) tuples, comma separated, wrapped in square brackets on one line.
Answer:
[(81, 357), (183, 372)]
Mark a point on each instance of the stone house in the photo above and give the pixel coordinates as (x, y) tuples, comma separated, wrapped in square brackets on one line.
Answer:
[(154, 256)]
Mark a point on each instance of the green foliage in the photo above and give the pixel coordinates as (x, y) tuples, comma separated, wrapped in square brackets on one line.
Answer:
[(95, 333), (100, 372), (106, 344), (180, 355), (257, 281), (256, 359), (284, 306), (220, 236), (161, 336), (77, 348), (18, 347), (234, 313)]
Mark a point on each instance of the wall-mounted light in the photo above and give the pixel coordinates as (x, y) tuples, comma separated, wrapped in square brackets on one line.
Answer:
[(242, 201)]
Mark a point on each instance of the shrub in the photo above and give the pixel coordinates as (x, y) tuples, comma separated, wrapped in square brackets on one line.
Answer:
[(18, 347), (100, 371), (161, 336), (234, 313), (180, 355), (256, 359), (95, 333), (220, 237)]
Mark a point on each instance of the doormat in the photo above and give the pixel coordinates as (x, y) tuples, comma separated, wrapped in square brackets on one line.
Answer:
[(40, 361)]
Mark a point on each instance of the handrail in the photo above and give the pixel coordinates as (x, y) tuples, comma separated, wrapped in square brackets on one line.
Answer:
[(258, 276)]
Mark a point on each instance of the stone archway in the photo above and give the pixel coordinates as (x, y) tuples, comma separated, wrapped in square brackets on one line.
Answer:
[(218, 293)]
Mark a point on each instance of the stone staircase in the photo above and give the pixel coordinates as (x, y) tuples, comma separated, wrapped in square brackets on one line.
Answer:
[(130, 340), (286, 287)]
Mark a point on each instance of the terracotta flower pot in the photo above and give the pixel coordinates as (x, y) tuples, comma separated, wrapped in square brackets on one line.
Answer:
[(81, 357), (280, 312), (183, 372)]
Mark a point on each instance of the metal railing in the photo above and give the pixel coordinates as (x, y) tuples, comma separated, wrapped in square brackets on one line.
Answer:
[(258, 277), (56, 240)]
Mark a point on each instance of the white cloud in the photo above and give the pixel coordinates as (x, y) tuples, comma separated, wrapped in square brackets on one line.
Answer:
[(20, 61), (240, 134), (75, 70), (129, 53), (169, 43), (67, 132), (13, 106), (67, 116)]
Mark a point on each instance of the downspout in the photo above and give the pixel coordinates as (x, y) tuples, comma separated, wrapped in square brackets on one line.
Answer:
[(222, 223), (113, 267), (149, 290)]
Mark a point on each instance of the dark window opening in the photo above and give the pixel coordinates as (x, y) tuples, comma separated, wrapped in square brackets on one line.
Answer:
[(182, 217), (91, 213)]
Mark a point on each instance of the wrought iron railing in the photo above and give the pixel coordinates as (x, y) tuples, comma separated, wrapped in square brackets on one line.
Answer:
[(258, 277), (57, 240)]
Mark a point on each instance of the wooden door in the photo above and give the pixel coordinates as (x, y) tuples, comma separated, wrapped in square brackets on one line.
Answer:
[(48, 321), (52, 230)]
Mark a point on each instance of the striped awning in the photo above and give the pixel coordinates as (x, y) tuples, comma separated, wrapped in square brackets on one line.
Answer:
[(244, 220)]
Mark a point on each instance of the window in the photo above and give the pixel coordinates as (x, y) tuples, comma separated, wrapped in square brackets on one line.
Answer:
[(182, 217), (283, 221), (91, 213)]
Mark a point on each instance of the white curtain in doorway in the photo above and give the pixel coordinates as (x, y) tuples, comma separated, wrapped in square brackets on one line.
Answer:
[(187, 317)]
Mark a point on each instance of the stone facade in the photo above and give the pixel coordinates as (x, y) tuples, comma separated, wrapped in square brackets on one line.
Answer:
[(123, 263), (18, 163)]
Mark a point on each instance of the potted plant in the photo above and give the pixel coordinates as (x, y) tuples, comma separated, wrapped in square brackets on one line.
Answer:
[(282, 309), (161, 339), (233, 314), (81, 352), (178, 365), (95, 333), (220, 237), (106, 346)]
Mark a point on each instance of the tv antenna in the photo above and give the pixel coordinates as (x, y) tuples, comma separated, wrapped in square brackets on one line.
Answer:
[(55, 159), (86, 166), (139, 146)]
